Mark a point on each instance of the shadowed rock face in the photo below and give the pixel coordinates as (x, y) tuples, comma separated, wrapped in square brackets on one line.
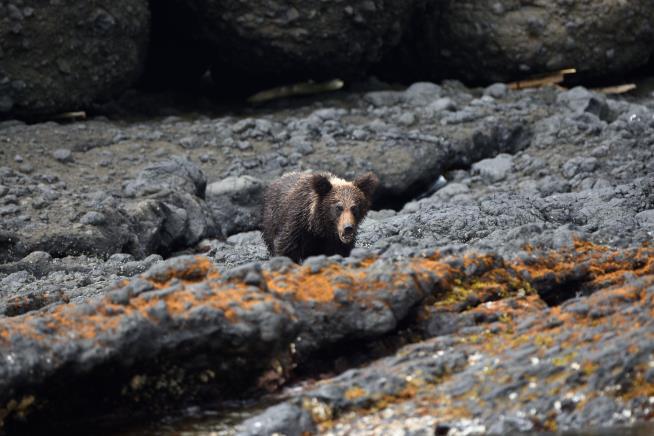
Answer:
[(484, 41), (62, 57), (254, 41)]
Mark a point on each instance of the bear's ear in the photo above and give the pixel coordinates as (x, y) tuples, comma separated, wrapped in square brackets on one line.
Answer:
[(321, 184), (367, 183)]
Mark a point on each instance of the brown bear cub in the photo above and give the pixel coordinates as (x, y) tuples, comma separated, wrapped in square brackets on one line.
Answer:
[(307, 214)]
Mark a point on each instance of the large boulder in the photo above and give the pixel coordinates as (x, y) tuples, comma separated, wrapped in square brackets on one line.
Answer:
[(282, 41), (500, 40), (58, 57)]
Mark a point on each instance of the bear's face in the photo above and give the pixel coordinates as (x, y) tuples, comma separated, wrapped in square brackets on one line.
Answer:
[(341, 206)]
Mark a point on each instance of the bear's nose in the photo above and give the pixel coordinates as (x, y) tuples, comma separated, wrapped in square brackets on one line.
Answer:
[(348, 229)]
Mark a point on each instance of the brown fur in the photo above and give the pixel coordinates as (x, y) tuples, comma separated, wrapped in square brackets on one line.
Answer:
[(306, 214)]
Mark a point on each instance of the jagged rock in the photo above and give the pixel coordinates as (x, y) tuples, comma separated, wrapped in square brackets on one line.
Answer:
[(62, 58), (493, 169), (176, 173), (236, 203)]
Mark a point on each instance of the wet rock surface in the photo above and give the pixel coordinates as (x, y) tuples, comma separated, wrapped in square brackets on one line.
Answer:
[(63, 57), (511, 228)]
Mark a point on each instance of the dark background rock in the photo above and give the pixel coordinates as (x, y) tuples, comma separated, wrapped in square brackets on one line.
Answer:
[(486, 41), (257, 42), (61, 57), (176, 57)]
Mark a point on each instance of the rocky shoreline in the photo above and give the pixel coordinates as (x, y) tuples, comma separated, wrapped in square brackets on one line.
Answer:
[(503, 283)]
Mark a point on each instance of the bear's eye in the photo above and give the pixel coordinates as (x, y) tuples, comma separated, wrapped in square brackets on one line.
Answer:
[(354, 210), (339, 207)]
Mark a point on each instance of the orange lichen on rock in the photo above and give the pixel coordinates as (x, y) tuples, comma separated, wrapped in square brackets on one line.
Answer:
[(86, 327), (305, 285), (65, 321), (354, 392), (200, 269), (427, 269)]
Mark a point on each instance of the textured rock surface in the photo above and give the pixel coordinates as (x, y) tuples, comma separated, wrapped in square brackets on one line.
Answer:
[(219, 335), (56, 57), (153, 199), (489, 40), (236, 203)]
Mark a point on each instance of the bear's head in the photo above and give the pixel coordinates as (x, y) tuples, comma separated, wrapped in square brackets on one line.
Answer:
[(340, 206)]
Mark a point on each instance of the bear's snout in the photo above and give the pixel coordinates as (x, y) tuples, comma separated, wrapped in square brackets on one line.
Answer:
[(346, 228)]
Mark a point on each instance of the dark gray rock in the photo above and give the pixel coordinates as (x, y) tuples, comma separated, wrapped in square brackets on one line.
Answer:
[(581, 100), (286, 419), (57, 58), (280, 42), (574, 179), (493, 169), (93, 218), (497, 41), (176, 173), (235, 203), (63, 155)]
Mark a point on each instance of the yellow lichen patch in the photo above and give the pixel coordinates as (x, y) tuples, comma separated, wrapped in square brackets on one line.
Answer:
[(424, 269), (542, 340), (65, 321), (582, 246), (564, 360), (408, 392), (321, 412), (589, 367), (223, 298), (639, 387)]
